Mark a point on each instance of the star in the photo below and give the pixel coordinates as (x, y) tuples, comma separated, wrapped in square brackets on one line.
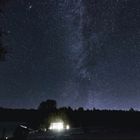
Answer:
[(30, 6)]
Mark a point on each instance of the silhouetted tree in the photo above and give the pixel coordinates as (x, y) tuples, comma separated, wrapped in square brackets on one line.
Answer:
[(131, 110), (2, 53), (80, 109), (48, 105), (2, 48), (70, 109)]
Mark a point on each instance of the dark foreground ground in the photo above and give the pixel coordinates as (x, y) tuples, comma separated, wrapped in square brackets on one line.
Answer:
[(85, 133), (100, 125), (88, 134)]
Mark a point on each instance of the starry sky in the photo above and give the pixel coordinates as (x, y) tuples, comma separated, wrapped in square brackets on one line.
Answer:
[(78, 52)]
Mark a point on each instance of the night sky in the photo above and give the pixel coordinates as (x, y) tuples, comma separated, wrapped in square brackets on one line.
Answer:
[(78, 52)]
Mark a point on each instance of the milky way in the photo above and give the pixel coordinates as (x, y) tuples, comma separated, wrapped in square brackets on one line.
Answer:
[(79, 52)]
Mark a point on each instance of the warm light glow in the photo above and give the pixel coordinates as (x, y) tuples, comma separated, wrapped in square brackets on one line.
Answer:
[(57, 126), (67, 127)]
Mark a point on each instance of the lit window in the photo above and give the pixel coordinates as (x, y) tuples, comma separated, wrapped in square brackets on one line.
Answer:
[(57, 126)]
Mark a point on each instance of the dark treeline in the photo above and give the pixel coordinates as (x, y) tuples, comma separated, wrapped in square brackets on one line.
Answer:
[(76, 118)]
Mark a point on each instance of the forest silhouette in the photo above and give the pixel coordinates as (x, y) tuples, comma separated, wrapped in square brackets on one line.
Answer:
[(35, 118)]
